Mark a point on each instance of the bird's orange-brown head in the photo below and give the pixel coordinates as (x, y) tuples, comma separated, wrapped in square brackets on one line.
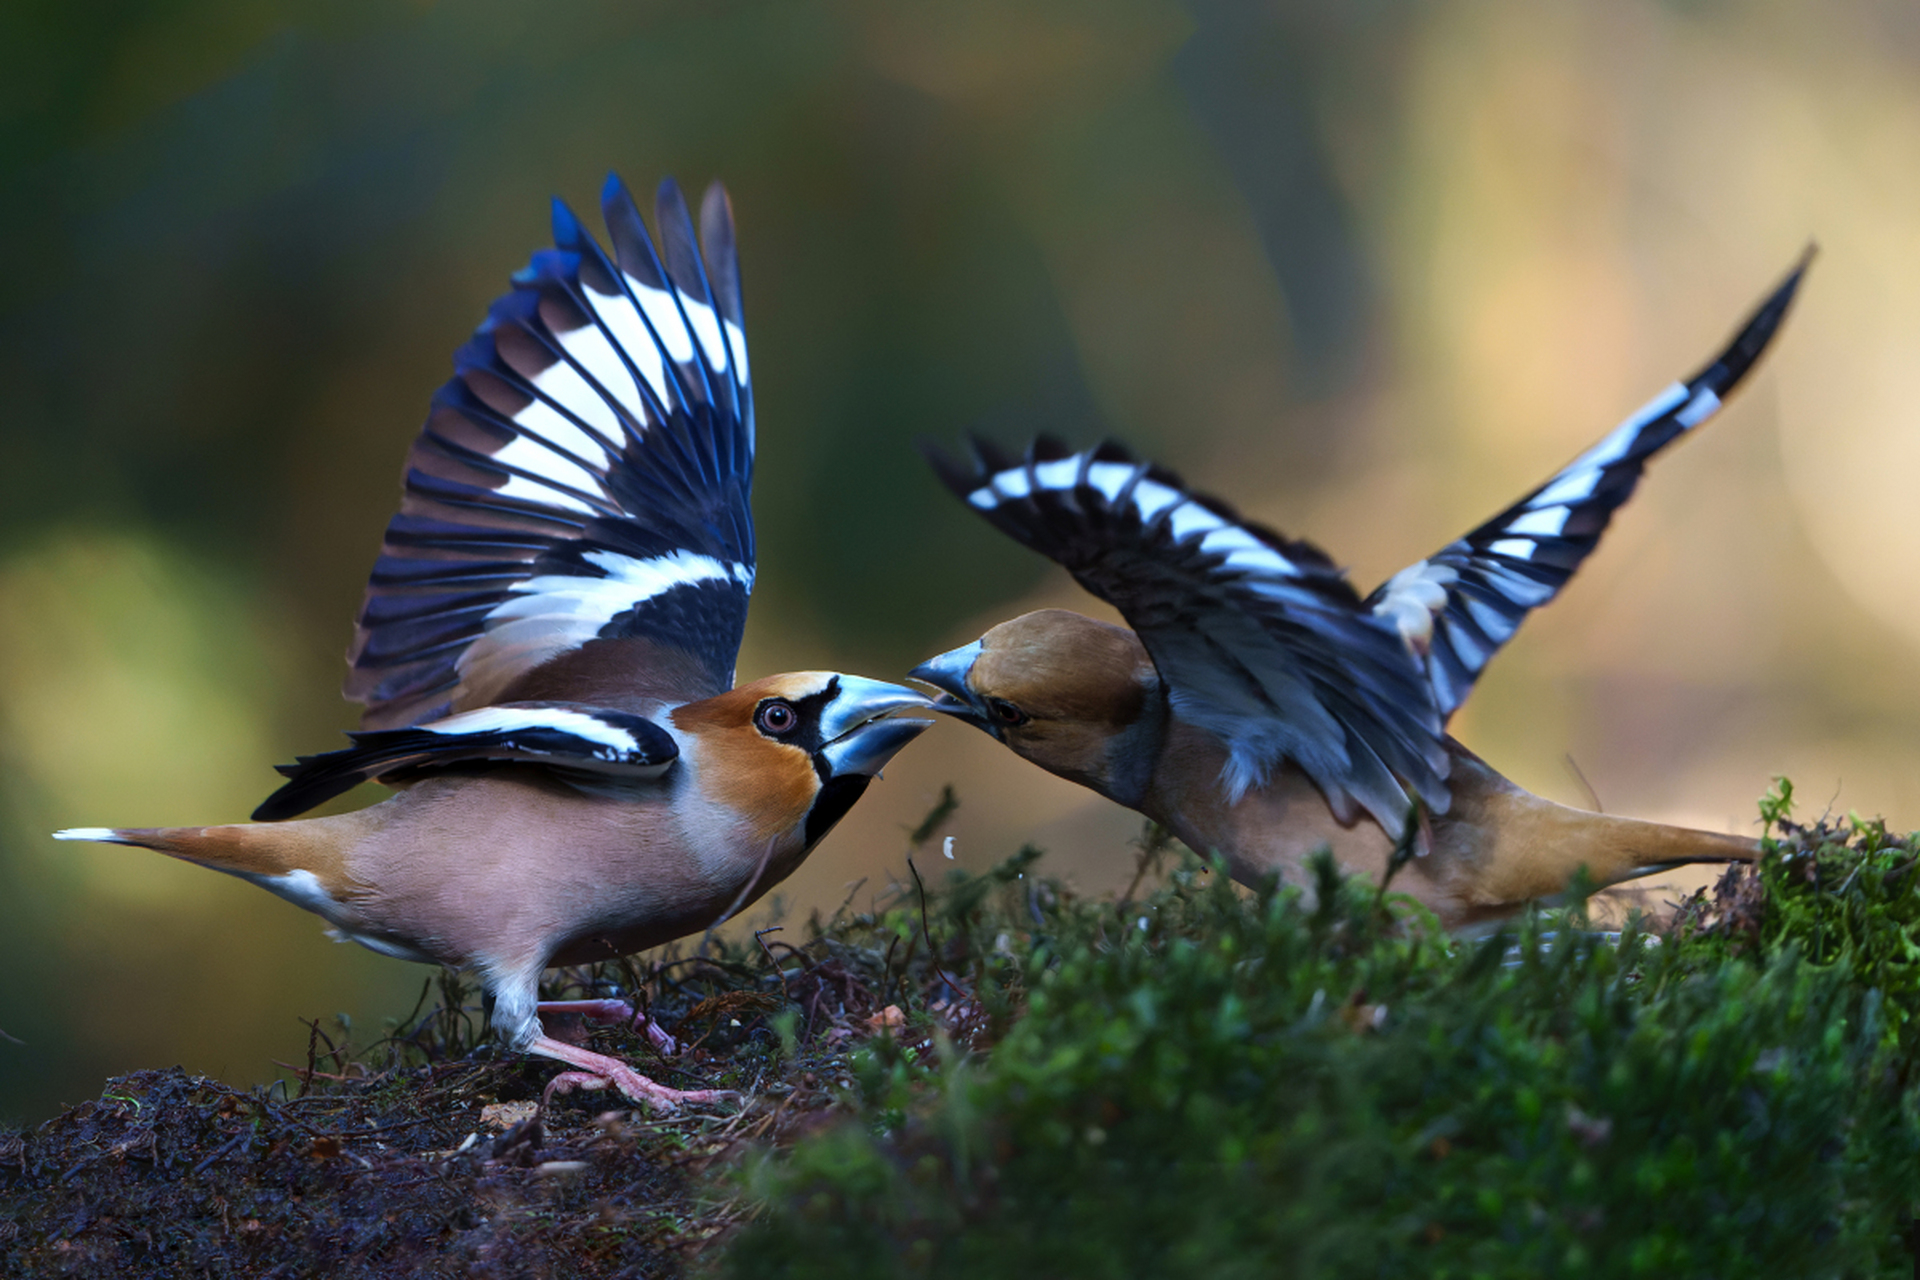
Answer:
[(793, 752), (1077, 697)]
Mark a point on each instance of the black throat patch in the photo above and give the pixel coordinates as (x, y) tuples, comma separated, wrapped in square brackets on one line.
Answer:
[(837, 795)]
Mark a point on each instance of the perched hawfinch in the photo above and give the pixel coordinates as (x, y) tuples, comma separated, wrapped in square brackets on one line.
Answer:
[(546, 654), (1260, 709)]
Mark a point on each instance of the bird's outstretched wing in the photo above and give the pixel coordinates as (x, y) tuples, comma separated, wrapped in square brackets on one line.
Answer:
[(586, 739), (1260, 639), (585, 477), (1458, 606)]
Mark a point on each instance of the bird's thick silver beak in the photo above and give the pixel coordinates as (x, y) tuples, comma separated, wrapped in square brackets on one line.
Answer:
[(948, 674), (857, 741)]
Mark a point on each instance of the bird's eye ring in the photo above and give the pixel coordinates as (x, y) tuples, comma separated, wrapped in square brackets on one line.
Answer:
[(1005, 712), (776, 717)]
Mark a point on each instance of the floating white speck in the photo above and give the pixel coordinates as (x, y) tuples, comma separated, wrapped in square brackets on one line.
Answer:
[(947, 848)]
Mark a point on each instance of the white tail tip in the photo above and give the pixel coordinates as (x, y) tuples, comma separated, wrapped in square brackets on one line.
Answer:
[(106, 835)]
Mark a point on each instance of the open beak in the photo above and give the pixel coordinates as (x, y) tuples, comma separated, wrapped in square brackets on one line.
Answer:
[(858, 741), (948, 674)]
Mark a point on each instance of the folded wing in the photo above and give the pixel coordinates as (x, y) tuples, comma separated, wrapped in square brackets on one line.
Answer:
[(594, 740), (1260, 639), (585, 477), (1457, 607)]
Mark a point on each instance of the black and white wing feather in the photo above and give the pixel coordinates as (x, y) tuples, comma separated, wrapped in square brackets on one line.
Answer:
[(585, 476), (1458, 607), (585, 739), (1259, 639)]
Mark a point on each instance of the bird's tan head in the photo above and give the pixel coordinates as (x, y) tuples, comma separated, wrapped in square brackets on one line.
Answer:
[(1064, 691), (793, 752)]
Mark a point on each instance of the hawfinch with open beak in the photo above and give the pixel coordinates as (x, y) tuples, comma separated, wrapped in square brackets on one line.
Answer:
[(546, 654), (1260, 709)]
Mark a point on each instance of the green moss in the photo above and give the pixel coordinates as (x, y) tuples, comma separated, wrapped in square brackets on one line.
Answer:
[(1843, 893), (1210, 1083)]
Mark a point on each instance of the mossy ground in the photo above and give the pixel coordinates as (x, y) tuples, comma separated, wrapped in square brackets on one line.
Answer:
[(997, 1077)]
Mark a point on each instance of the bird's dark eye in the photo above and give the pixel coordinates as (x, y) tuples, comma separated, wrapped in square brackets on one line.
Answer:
[(1005, 712), (776, 717)]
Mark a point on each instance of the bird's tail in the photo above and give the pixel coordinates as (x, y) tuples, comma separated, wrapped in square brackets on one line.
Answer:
[(1514, 846), (250, 851), (1615, 849)]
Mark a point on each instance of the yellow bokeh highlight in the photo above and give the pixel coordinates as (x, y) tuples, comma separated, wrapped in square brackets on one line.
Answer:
[(133, 686)]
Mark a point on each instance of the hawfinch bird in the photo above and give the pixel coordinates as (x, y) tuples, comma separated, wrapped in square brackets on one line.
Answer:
[(1260, 709), (546, 654)]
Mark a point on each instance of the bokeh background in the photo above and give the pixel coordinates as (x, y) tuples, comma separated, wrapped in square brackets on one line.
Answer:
[(1370, 268)]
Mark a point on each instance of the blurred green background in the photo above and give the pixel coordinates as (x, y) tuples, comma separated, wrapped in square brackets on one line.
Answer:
[(1369, 268)]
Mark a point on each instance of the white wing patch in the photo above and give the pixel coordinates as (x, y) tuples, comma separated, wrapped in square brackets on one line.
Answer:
[(561, 383), (589, 728), (1060, 474), (1499, 627), (1616, 443), (1703, 406), (1190, 518), (1413, 597), (594, 602), (664, 316), (531, 454), (589, 348), (706, 327), (542, 422), (623, 321), (525, 490), (1545, 520), (1110, 478), (737, 340), (1244, 551), (552, 613), (1009, 485), (1150, 500)]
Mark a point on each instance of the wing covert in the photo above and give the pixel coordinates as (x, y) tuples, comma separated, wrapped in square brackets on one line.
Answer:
[(1259, 638), (586, 474)]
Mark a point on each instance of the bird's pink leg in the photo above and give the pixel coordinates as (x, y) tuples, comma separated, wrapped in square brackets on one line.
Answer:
[(616, 1011), (597, 1071)]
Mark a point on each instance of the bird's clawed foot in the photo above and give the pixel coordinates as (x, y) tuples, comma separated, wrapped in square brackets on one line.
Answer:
[(598, 1071), (635, 1086), (617, 1012)]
